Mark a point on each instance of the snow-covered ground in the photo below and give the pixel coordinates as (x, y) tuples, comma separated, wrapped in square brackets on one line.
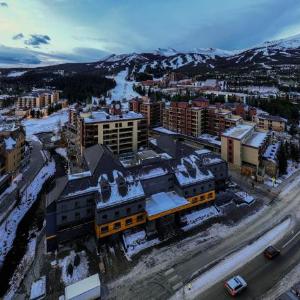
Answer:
[(123, 89), (245, 197), (16, 73), (46, 124), (136, 242), (9, 227), (231, 263), (80, 272), (21, 269), (198, 217), (62, 152)]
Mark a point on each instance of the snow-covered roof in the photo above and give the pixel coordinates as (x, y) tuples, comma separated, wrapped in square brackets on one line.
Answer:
[(188, 171), (10, 143), (155, 172), (271, 118), (271, 151), (162, 202), (239, 131), (38, 289), (100, 116), (256, 139), (79, 175)]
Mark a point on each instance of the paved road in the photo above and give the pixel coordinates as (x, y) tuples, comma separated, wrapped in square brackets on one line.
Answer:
[(163, 283), (262, 274)]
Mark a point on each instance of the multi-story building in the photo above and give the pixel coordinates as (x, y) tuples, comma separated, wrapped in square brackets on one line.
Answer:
[(121, 132), (38, 98), (198, 117), (184, 118), (109, 197), (152, 110), (12, 138), (269, 122), (243, 147)]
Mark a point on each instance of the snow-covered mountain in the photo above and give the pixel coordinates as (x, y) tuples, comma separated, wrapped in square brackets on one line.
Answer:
[(263, 56)]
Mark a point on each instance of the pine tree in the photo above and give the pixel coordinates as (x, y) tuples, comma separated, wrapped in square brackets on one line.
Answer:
[(282, 160)]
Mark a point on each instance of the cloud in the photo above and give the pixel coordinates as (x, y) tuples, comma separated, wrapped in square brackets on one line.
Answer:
[(3, 4), (37, 39), (18, 36)]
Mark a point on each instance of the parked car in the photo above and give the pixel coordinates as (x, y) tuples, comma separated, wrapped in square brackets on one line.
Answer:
[(271, 252), (235, 285), (296, 289)]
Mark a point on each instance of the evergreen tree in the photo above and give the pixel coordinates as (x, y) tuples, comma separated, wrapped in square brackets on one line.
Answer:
[(282, 160)]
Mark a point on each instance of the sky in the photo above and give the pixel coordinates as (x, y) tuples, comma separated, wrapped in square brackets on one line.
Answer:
[(36, 32)]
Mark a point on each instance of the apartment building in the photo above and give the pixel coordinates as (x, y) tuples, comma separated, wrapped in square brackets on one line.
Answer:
[(184, 118), (12, 138), (243, 147), (109, 197), (269, 122), (198, 117), (150, 109), (122, 132), (38, 98)]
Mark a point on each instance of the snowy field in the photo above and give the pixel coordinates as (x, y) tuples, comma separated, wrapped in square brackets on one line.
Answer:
[(46, 124), (123, 89), (233, 262), (79, 272), (9, 227)]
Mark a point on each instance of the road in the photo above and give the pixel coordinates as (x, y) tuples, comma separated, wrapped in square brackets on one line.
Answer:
[(162, 281), (262, 274)]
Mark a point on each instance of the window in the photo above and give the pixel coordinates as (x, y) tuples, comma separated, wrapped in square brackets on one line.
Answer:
[(128, 210), (130, 123), (194, 190), (104, 229), (117, 213), (64, 218), (104, 217), (186, 193), (140, 206), (106, 126), (88, 211), (76, 204), (128, 221), (140, 218), (210, 195), (77, 215), (202, 198), (117, 225)]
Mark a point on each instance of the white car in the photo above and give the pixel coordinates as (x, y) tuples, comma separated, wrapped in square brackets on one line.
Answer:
[(235, 285)]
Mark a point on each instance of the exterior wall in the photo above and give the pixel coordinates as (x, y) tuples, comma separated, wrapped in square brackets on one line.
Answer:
[(196, 189), (232, 146), (158, 184), (270, 124), (250, 155)]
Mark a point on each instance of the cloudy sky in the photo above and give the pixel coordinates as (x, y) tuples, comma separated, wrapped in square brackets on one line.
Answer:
[(48, 31)]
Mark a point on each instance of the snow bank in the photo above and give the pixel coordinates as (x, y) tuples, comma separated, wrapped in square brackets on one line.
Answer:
[(46, 124), (80, 272), (232, 263), (198, 217), (62, 152), (9, 227), (136, 242), (245, 197)]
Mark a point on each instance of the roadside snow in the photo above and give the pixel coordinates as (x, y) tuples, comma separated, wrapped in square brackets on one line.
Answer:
[(62, 152), (46, 124), (136, 242), (21, 269), (198, 217), (245, 197), (232, 263), (29, 195), (80, 272)]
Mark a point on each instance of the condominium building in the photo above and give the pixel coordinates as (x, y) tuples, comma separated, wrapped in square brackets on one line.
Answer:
[(152, 110), (109, 197), (122, 132), (269, 122), (38, 98), (243, 147)]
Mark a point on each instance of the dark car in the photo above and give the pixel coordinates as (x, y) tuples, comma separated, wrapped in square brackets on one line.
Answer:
[(271, 252)]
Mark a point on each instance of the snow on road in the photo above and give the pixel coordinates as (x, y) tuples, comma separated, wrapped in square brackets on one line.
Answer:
[(8, 228), (232, 263), (46, 124)]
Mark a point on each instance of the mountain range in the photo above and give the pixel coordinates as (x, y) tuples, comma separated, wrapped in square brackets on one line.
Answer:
[(263, 56)]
